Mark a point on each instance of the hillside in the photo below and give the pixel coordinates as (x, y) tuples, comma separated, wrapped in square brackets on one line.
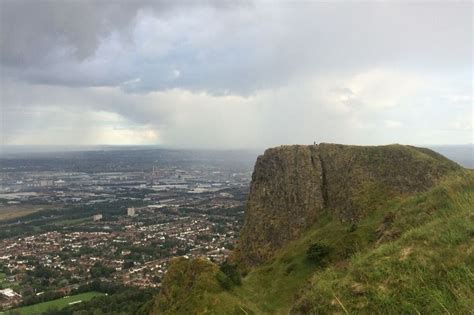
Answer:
[(395, 222), (291, 185)]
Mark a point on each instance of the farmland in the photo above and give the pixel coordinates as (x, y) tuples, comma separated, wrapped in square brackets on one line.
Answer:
[(8, 212)]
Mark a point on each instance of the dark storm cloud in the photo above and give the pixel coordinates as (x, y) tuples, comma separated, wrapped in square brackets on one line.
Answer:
[(37, 31), (222, 47), (34, 31)]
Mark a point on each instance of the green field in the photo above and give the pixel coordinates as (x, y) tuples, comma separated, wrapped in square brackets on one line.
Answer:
[(8, 212), (68, 222), (55, 304)]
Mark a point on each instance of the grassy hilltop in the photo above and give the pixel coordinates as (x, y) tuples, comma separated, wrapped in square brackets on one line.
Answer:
[(399, 240)]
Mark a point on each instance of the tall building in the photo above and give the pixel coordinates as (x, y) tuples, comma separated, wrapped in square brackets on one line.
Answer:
[(131, 212)]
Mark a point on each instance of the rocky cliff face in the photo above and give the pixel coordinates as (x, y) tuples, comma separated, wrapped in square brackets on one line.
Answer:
[(292, 186), (286, 196)]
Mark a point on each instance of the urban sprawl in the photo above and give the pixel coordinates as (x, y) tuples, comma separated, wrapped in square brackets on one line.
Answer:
[(119, 227)]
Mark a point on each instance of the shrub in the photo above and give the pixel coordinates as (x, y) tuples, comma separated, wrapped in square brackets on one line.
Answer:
[(317, 253), (224, 281), (290, 268), (231, 271)]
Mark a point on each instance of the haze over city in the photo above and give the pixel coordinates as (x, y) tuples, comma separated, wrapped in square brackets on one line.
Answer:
[(245, 74)]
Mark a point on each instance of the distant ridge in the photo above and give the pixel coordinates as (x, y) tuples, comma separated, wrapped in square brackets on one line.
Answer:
[(461, 153)]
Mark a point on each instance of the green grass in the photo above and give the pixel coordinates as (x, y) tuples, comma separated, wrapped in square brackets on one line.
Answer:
[(54, 304), (69, 222), (428, 269), (411, 255)]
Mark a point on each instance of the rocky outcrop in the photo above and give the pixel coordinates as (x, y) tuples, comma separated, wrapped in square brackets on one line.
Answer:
[(286, 196), (292, 186)]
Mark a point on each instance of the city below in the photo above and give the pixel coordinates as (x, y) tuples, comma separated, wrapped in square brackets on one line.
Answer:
[(72, 221)]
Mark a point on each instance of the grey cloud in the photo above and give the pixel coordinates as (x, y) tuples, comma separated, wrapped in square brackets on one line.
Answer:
[(220, 74), (269, 45), (302, 112), (222, 48), (33, 31)]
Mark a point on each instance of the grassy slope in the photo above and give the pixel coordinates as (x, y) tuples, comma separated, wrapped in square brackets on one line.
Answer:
[(55, 304), (420, 261), (429, 269), (8, 212)]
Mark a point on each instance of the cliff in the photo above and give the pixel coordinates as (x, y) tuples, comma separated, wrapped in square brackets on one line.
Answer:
[(334, 229), (293, 185)]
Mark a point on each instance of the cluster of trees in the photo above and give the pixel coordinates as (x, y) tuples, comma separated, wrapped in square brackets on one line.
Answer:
[(49, 280), (122, 301), (41, 279), (97, 285), (99, 270), (3, 268), (35, 299)]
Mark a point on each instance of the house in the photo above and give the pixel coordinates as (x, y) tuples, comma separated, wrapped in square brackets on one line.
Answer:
[(8, 298)]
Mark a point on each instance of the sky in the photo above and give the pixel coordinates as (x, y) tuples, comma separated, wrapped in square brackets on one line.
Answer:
[(235, 74)]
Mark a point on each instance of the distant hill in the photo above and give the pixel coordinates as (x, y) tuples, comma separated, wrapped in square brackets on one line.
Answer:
[(463, 154), (334, 229)]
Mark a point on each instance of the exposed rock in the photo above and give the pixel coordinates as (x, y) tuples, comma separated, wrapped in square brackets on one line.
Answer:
[(286, 197), (292, 185)]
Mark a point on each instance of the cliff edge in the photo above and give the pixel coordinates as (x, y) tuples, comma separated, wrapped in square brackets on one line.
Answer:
[(292, 186)]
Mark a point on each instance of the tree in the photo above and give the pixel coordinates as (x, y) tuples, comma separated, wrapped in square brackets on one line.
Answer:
[(128, 263), (99, 270)]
